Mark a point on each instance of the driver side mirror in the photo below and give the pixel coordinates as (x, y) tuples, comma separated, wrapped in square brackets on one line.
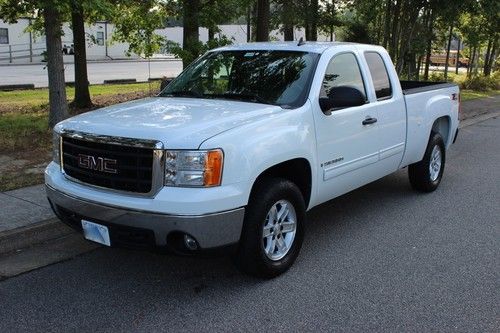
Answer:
[(341, 97)]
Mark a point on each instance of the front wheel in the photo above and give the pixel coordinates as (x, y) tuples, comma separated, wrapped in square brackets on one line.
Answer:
[(273, 229), (426, 175)]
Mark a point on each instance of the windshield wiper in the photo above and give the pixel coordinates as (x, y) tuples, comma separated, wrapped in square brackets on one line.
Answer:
[(184, 93), (242, 97)]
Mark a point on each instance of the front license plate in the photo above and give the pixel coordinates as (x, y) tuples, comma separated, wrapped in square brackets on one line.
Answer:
[(96, 232)]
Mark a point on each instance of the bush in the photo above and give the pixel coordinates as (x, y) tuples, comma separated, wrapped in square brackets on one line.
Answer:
[(482, 83), (496, 79), (437, 77)]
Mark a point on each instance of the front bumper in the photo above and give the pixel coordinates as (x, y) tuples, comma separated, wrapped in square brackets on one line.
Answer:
[(145, 229)]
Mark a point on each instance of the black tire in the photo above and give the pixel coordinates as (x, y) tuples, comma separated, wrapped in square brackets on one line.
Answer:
[(251, 257), (419, 173)]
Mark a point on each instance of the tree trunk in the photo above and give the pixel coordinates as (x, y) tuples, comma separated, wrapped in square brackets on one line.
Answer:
[(263, 16), (82, 94), (311, 23), (448, 52), (471, 61), (190, 35), (286, 18), (419, 67), (211, 33), (429, 46), (55, 66), (458, 57), (476, 64), (387, 23), (249, 24), (288, 32), (314, 20), (395, 28), (486, 70), (491, 60)]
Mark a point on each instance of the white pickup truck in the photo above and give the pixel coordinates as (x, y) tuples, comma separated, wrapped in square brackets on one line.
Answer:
[(242, 143)]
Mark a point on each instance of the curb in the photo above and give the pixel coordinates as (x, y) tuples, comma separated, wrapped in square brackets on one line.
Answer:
[(39, 232), (478, 119)]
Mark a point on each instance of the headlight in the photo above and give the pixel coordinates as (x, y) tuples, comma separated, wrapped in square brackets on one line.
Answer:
[(197, 168), (56, 144)]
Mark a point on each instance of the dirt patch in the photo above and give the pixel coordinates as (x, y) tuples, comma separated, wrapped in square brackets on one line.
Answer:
[(21, 169)]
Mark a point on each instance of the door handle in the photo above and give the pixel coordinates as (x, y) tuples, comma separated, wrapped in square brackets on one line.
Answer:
[(369, 120)]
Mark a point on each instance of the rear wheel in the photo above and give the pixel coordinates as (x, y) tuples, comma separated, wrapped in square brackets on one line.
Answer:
[(426, 175), (273, 229)]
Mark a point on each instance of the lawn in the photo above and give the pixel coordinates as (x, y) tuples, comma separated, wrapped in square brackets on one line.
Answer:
[(467, 95), (38, 99), (23, 113), (25, 139)]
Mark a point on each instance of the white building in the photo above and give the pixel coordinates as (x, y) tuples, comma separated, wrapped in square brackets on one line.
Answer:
[(17, 45)]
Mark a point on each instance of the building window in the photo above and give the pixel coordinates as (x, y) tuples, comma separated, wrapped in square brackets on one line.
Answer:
[(4, 36), (100, 38)]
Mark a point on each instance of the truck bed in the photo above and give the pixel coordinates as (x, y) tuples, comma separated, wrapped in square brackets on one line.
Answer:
[(425, 102), (414, 87)]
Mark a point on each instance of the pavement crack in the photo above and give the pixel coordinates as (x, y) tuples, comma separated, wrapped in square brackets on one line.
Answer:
[(28, 201)]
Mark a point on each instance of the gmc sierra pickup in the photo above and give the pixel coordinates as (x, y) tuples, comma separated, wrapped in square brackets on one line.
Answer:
[(242, 143)]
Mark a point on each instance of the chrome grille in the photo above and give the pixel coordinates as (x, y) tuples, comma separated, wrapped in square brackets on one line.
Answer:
[(133, 167)]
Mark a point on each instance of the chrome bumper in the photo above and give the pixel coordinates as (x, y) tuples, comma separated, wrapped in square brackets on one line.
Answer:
[(210, 231)]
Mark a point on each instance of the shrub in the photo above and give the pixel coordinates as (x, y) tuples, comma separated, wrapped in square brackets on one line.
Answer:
[(482, 83), (436, 77), (496, 79)]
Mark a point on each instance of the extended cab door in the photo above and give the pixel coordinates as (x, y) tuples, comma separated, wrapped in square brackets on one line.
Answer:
[(347, 144), (387, 98)]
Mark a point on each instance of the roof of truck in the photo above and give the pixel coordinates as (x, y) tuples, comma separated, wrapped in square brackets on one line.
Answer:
[(313, 47)]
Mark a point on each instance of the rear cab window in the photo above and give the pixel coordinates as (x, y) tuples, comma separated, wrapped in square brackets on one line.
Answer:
[(380, 76)]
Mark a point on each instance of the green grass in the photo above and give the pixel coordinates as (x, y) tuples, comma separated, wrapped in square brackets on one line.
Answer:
[(467, 95), (19, 129), (39, 98)]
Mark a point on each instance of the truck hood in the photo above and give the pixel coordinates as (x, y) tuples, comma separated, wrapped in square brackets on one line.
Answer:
[(180, 123)]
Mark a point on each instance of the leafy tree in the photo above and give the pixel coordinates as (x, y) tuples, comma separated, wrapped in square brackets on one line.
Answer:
[(328, 18), (205, 13), (136, 22)]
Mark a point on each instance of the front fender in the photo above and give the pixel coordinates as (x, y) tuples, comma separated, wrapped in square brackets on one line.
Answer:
[(253, 148)]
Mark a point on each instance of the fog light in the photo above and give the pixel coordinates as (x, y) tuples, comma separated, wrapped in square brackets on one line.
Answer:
[(190, 243)]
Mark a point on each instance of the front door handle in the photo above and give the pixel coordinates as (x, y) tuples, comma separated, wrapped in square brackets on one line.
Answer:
[(369, 120)]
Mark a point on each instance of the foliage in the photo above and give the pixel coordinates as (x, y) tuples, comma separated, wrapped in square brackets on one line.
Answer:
[(482, 83), (136, 22), (186, 56)]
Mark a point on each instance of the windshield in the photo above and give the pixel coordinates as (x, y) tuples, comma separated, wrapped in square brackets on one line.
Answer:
[(271, 77)]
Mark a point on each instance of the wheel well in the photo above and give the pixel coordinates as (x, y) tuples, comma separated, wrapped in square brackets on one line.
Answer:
[(298, 171), (442, 126)]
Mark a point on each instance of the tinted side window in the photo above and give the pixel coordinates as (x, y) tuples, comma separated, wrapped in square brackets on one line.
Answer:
[(379, 75), (343, 70)]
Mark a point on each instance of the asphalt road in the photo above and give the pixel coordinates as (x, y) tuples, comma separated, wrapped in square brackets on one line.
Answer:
[(97, 72), (382, 258)]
